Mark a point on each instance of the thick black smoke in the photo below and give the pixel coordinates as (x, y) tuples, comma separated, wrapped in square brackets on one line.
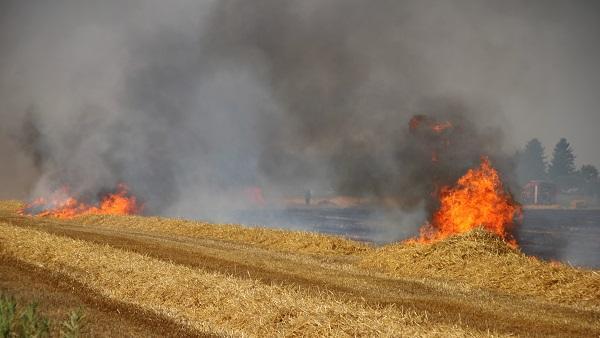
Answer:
[(190, 103), (347, 80)]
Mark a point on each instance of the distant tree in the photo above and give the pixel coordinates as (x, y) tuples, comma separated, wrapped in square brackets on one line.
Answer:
[(588, 173), (531, 162), (562, 165), (587, 180)]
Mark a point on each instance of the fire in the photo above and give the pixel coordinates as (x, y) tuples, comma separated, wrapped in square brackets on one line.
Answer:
[(477, 200), (255, 196), (422, 122), (61, 205), (440, 127)]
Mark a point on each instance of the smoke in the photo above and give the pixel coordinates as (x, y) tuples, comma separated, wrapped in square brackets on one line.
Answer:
[(345, 91), (192, 102)]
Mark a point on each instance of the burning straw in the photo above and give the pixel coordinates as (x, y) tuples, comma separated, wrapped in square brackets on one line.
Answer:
[(478, 199)]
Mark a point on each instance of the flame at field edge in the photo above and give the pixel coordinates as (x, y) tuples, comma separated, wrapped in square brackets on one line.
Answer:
[(61, 205), (478, 199)]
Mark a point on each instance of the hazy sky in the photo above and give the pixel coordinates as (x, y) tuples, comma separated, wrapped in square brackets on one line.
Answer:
[(552, 87), (539, 61)]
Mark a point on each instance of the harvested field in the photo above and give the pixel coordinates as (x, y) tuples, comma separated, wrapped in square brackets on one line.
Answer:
[(280, 240), (481, 259), (207, 301), (212, 279), (57, 296)]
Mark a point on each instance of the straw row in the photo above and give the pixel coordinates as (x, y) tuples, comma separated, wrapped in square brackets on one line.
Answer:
[(212, 302)]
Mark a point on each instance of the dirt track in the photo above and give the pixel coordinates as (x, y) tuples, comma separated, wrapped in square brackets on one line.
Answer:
[(483, 310)]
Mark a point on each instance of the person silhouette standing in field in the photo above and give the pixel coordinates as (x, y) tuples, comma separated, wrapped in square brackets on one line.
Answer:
[(307, 196)]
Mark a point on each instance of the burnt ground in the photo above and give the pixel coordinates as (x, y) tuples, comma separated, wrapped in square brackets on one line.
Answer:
[(571, 236)]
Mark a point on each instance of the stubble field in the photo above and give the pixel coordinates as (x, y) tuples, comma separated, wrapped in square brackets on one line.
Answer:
[(150, 276)]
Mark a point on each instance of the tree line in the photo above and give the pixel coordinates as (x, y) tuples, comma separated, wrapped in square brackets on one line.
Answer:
[(531, 164)]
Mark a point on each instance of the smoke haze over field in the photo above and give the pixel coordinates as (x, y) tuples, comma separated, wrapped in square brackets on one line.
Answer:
[(190, 102)]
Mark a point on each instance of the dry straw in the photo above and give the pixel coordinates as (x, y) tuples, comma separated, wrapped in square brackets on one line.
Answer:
[(482, 259), (212, 302), (274, 239), (266, 238), (10, 207), (476, 259)]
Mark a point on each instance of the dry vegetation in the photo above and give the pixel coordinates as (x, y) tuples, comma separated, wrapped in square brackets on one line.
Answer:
[(281, 240), (10, 207), (470, 285), (481, 259), (211, 302)]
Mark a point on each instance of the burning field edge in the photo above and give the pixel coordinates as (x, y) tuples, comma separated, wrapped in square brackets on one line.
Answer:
[(478, 258), (220, 303)]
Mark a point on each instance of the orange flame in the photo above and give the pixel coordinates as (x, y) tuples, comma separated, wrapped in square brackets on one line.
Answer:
[(441, 126), (418, 122), (61, 205), (477, 200)]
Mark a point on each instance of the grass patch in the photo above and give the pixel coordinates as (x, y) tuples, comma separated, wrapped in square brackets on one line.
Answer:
[(74, 326), (18, 320)]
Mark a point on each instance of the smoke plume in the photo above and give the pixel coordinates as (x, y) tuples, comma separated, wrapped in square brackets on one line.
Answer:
[(192, 102)]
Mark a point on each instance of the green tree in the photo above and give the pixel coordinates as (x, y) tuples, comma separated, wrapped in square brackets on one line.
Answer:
[(588, 173), (531, 162), (588, 180), (562, 165)]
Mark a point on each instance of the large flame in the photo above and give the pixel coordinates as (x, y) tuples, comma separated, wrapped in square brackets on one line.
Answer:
[(61, 205), (477, 200)]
